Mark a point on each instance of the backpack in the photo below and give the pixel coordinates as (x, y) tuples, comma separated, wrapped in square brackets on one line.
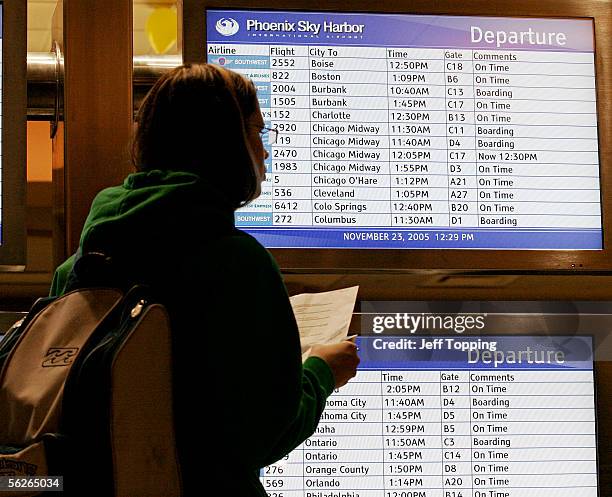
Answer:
[(86, 393)]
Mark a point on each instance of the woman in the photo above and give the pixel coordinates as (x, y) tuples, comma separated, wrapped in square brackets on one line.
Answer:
[(199, 156)]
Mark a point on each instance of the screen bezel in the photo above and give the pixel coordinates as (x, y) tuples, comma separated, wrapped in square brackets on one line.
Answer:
[(14, 111), (343, 260)]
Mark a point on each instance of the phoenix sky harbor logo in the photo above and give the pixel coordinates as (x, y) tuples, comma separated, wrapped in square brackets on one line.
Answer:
[(227, 26)]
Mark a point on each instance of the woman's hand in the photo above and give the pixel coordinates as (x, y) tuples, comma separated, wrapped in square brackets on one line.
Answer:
[(341, 358)]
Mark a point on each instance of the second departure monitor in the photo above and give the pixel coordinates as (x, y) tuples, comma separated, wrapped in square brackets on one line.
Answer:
[(454, 416), (406, 131)]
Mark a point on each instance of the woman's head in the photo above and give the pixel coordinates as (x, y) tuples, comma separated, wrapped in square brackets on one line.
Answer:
[(203, 119)]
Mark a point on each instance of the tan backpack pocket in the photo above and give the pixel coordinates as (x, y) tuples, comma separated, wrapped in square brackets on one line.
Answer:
[(32, 379)]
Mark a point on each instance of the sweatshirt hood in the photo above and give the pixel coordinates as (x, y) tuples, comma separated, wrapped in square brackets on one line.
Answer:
[(152, 210)]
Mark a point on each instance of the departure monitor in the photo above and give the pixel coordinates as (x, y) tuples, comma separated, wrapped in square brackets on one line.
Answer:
[(419, 131), (471, 399), (451, 415), (12, 133)]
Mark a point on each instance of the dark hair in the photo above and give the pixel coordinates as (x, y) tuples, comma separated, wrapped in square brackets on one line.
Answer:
[(193, 119)]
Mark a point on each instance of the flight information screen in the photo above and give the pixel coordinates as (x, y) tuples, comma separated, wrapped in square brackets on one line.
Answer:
[(453, 417), (406, 131)]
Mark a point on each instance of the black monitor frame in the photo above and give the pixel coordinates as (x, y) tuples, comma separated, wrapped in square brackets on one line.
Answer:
[(14, 126), (447, 260)]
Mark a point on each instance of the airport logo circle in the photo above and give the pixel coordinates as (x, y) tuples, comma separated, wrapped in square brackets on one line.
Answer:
[(227, 26)]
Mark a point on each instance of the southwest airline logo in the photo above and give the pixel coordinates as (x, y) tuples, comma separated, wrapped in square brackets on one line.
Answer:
[(227, 26), (57, 356)]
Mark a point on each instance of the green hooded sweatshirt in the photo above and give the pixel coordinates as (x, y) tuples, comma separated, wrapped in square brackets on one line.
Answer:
[(242, 397)]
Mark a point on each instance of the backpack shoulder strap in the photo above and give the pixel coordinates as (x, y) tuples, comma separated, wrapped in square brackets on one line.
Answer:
[(95, 269)]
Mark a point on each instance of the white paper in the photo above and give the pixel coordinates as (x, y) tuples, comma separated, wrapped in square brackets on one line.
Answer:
[(323, 318)]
